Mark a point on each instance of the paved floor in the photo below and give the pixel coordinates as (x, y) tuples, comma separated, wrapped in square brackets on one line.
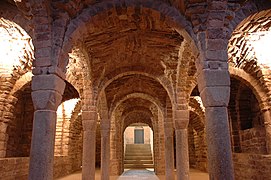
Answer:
[(138, 175)]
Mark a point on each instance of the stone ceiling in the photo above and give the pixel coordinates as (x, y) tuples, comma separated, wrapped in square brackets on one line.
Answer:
[(132, 40), (134, 55), (241, 50)]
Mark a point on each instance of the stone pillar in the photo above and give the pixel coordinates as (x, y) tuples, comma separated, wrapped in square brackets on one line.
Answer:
[(181, 133), (169, 152), (105, 148), (215, 93), (89, 121), (46, 95), (267, 124), (218, 143)]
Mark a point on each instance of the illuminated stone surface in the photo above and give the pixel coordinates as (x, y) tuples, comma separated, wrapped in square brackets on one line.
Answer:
[(75, 74)]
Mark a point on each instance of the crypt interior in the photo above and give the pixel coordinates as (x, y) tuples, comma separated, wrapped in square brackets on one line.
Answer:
[(170, 85)]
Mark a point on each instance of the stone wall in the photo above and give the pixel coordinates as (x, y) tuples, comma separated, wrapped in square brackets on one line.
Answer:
[(197, 140), (129, 135), (19, 129), (14, 168), (253, 140), (248, 133), (17, 167), (252, 166), (197, 149)]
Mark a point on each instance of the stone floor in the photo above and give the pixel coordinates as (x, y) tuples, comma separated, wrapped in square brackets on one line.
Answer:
[(138, 175)]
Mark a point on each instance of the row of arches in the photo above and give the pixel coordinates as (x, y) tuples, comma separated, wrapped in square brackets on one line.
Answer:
[(143, 74)]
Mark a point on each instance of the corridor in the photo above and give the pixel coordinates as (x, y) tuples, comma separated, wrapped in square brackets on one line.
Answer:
[(138, 175)]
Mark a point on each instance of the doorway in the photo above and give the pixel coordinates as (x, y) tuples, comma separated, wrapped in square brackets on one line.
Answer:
[(139, 136)]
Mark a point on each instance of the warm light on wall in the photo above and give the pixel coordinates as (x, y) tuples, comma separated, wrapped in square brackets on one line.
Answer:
[(15, 45), (65, 109), (261, 42)]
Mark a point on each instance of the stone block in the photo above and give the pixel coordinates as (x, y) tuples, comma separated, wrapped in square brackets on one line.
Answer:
[(213, 78), (42, 61), (181, 124), (218, 5), (89, 115), (181, 119), (215, 96), (89, 125), (48, 82), (221, 55), (216, 44), (43, 52), (181, 115), (216, 33), (46, 99)]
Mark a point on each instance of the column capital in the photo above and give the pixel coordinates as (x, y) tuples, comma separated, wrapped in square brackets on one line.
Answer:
[(181, 124), (48, 82), (214, 86), (89, 116), (46, 99), (47, 91), (181, 119)]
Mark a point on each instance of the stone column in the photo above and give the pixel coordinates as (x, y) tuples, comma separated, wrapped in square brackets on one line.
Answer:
[(105, 151), (182, 155), (46, 95), (267, 124), (215, 93), (214, 87), (89, 121), (169, 152)]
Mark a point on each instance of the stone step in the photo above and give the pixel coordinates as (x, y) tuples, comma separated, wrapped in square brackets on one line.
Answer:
[(138, 149), (135, 166), (138, 161), (137, 157), (138, 154), (144, 146)]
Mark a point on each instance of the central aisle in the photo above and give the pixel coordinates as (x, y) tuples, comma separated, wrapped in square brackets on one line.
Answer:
[(138, 174)]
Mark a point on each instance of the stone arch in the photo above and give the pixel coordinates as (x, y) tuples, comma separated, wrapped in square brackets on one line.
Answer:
[(137, 109), (128, 121), (65, 112), (12, 13), (196, 106), (19, 127), (168, 14), (22, 106), (138, 95), (256, 86), (244, 50), (17, 52), (78, 75), (119, 73), (197, 142), (23, 80)]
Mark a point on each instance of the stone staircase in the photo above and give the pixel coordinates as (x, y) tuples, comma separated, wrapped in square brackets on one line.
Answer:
[(138, 156)]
